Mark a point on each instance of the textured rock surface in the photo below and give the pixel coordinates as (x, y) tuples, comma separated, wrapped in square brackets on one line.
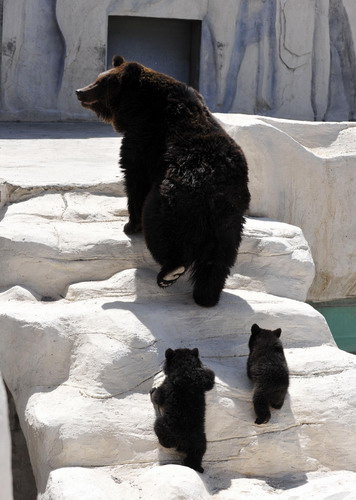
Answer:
[(300, 173), (304, 174), (253, 56), (106, 484), (40, 158), (80, 368), (5, 449), (53, 240)]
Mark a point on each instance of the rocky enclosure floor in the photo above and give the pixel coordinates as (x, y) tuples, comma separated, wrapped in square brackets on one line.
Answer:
[(84, 328)]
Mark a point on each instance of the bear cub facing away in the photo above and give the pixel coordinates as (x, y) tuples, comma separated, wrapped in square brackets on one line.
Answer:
[(186, 179), (180, 402), (267, 367)]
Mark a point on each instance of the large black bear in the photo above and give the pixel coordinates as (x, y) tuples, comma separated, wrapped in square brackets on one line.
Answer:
[(186, 179), (180, 401), (267, 367)]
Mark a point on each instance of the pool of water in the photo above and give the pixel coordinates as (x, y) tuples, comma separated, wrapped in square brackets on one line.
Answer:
[(341, 318)]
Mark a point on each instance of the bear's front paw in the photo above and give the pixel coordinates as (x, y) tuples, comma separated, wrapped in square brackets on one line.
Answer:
[(262, 420), (131, 228), (193, 465)]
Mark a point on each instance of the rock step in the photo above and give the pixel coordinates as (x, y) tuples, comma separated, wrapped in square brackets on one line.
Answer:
[(51, 241), (100, 348), (68, 426), (84, 156), (50, 157), (172, 482)]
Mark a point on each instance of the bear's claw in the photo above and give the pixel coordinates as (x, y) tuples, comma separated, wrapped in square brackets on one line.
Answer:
[(170, 278)]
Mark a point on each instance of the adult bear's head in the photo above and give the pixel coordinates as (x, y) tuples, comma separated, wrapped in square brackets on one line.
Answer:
[(131, 96)]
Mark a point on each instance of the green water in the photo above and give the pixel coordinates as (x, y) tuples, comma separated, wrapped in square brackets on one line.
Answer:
[(341, 318)]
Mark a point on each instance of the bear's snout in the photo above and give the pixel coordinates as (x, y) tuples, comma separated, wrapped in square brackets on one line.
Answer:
[(86, 96)]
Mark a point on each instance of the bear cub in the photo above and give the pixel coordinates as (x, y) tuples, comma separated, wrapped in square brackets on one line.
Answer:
[(180, 402), (186, 179), (267, 367)]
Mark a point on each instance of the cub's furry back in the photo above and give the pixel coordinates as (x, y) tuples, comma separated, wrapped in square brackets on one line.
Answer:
[(267, 367), (180, 400)]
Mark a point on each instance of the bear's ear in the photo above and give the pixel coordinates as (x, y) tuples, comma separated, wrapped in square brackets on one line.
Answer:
[(195, 352), (117, 61), (277, 332), (255, 328), (169, 354), (132, 71)]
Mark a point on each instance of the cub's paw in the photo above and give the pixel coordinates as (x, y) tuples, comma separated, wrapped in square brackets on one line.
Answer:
[(165, 279), (277, 406), (262, 420)]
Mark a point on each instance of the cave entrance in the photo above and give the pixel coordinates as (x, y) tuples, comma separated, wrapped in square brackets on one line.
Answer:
[(171, 46)]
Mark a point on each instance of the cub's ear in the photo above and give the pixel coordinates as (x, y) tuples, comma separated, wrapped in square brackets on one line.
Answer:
[(195, 352), (277, 332), (169, 354), (117, 61), (255, 328)]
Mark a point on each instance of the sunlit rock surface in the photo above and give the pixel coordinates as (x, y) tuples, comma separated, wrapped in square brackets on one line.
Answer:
[(80, 367)]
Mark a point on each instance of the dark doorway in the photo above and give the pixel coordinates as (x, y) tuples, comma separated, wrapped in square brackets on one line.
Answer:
[(171, 46)]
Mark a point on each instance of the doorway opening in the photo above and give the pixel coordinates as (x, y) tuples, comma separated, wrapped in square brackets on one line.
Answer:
[(171, 46)]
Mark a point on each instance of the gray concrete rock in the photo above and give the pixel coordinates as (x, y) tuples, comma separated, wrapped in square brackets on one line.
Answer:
[(301, 173), (37, 158), (172, 482), (304, 174), (51, 241), (81, 369), (5, 449), (279, 58)]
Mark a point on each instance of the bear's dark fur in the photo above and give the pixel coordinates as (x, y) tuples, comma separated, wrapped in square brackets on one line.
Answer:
[(181, 404), (186, 179), (267, 367)]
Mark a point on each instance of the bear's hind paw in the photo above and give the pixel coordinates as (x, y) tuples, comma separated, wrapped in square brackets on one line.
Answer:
[(167, 279)]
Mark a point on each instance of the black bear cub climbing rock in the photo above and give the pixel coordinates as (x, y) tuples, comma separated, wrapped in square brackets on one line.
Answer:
[(180, 402), (186, 180), (267, 367)]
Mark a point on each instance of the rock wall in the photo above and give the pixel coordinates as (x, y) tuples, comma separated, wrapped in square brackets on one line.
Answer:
[(278, 58), (304, 174), (5, 448)]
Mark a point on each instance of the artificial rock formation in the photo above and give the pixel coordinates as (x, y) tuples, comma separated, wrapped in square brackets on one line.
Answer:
[(300, 173), (80, 367), (277, 58), (5, 451), (53, 240), (304, 174)]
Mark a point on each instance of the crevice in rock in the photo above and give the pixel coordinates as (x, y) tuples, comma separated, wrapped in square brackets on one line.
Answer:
[(110, 396), (24, 486), (249, 436), (13, 193)]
